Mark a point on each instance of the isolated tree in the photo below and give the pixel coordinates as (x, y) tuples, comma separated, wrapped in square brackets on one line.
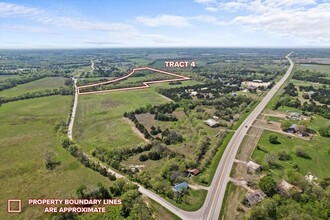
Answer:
[(271, 158), (267, 184), (273, 139), (50, 160), (285, 125)]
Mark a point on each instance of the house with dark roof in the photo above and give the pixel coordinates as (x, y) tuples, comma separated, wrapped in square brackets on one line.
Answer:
[(179, 187), (193, 172), (254, 198)]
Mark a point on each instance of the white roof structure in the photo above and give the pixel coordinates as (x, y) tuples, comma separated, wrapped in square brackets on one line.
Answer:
[(211, 122), (253, 165)]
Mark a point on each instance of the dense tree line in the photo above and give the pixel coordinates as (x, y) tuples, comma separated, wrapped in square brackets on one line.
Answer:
[(37, 94), (113, 157), (208, 91), (321, 94), (311, 76), (291, 90), (10, 83), (75, 151), (138, 125), (158, 152), (312, 202)]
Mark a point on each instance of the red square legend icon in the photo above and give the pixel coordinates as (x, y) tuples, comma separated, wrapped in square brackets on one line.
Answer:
[(14, 205)]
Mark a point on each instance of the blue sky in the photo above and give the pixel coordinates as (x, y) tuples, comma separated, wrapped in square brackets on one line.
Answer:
[(164, 23)]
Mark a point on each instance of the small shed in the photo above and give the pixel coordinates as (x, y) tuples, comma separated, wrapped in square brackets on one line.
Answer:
[(179, 187), (253, 167), (292, 129), (254, 198), (192, 172), (295, 116), (211, 122), (284, 187)]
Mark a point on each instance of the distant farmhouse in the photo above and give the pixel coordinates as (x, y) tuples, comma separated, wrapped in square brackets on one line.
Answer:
[(211, 122), (193, 172)]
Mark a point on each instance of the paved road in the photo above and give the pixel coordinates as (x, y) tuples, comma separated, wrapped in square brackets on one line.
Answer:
[(212, 205), (213, 202)]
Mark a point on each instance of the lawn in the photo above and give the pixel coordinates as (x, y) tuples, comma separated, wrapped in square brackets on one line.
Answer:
[(160, 212), (100, 122), (317, 149), (192, 201), (37, 85), (26, 133)]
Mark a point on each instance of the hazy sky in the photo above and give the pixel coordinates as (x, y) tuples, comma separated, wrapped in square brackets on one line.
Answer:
[(164, 23)]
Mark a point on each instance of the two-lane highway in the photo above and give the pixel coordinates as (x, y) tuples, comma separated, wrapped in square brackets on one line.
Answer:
[(213, 202)]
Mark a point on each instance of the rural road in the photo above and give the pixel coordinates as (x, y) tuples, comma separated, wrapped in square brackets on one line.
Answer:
[(92, 65), (212, 204), (74, 109), (215, 196)]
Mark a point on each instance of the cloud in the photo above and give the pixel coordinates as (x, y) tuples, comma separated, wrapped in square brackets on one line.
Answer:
[(306, 20), (175, 21), (205, 1), (211, 9), (163, 20), (45, 17), (121, 33), (21, 28)]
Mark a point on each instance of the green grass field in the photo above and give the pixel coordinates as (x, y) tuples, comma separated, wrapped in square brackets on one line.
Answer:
[(317, 149), (37, 85), (192, 201), (26, 133), (100, 122), (315, 67)]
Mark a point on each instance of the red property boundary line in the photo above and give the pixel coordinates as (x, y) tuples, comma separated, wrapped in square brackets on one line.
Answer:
[(145, 84)]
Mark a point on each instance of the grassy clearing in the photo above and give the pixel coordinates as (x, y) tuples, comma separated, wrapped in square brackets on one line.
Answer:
[(315, 67), (191, 201), (37, 85), (160, 212), (100, 121), (26, 133), (317, 149)]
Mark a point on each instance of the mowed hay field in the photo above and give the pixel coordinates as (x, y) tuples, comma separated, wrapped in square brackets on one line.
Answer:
[(37, 85), (26, 133), (100, 123)]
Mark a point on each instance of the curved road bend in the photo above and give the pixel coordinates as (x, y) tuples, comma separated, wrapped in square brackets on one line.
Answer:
[(212, 205)]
